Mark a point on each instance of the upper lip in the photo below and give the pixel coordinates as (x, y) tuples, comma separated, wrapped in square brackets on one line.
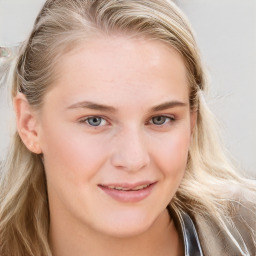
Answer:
[(127, 185)]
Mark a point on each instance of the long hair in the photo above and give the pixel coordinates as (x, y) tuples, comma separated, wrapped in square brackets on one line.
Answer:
[(60, 25)]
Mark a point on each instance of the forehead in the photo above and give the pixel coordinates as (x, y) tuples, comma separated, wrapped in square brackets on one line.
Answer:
[(124, 66)]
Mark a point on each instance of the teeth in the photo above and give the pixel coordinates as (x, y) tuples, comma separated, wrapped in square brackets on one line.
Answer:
[(140, 187), (127, 189), (118, 188)]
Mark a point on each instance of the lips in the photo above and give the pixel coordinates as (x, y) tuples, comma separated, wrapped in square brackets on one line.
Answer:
[(136, 188), (128, 192)]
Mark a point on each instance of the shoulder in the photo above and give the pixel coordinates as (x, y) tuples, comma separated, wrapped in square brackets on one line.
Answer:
[(236, 234)]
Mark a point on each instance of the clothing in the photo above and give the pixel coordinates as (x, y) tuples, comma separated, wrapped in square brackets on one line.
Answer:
[(214, 239), (192, 246), (202, 235)]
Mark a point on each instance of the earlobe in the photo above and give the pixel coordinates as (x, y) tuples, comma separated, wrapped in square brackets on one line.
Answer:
[(26, 123)]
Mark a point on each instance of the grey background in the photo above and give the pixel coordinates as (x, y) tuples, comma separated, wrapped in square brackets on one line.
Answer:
[(226, 34)]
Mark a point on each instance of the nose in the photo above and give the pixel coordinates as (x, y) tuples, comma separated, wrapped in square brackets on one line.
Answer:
[(130, 151)]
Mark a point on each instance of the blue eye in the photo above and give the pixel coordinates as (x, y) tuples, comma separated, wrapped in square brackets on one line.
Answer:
[(95, 121), (160, 120)]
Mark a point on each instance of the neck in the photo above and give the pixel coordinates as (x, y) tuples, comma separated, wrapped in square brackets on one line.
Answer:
[(160, 239)]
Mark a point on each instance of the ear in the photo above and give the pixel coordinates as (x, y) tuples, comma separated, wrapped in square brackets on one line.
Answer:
[(26, 122)]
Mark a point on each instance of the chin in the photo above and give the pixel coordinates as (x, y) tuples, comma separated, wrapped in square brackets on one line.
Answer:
[(127, 231), (131, 226)]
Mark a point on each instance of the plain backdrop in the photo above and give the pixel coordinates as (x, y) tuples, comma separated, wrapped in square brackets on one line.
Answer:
[(226, 34)]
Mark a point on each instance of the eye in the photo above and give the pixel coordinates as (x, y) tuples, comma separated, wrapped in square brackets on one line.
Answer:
[(160, 120), (94, 121)]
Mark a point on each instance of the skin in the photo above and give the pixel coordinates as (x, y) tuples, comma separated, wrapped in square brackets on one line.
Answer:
[(131, 77)]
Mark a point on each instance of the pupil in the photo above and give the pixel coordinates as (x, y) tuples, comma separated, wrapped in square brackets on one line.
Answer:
[(95, 121), (158, 120)]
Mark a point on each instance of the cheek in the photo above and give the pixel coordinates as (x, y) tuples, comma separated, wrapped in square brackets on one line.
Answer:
[(74, 155), (173, 153)]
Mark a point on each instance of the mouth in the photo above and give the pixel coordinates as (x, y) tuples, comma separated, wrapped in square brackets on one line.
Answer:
[(120, 188), (128, 192)]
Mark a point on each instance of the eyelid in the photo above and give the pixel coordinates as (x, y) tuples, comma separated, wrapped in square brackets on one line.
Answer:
[(171, 117), (164, 115)]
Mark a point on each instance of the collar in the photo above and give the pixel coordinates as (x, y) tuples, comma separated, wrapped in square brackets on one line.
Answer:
[(187, 231)]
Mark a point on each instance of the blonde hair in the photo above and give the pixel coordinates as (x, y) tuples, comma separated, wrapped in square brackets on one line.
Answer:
[(61, 24)]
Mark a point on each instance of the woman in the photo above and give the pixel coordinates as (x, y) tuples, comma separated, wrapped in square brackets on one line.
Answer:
[(116, 151)]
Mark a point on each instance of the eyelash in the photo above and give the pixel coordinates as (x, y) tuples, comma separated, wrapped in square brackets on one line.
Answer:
[(167, 119), (86, 120)]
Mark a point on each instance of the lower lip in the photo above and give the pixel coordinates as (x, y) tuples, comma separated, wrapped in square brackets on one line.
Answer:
[(128, 196)]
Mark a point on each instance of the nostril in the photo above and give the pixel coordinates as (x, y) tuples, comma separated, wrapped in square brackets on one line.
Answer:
[(129, 150), (131, 162)]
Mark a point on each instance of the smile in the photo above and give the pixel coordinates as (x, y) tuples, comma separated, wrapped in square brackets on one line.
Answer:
[(128, 193), (129, 189)]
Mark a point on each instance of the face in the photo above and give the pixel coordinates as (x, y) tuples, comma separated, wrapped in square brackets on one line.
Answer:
[(115, 131)]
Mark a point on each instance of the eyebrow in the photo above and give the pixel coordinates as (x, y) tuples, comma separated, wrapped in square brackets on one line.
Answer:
[(169, 104), (101, 107), (93, 106)]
